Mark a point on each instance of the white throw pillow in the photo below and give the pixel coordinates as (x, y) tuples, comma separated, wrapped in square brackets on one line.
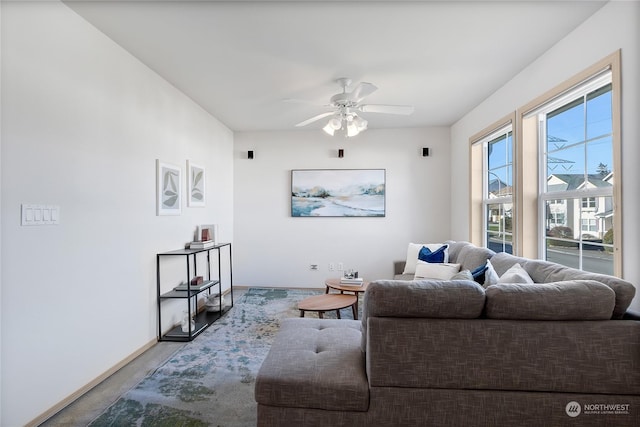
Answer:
[(490, 275), (435, 270), (412, 255), (516, 274)]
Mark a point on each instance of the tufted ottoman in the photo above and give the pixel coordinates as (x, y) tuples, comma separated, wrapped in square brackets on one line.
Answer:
[(317, 366)]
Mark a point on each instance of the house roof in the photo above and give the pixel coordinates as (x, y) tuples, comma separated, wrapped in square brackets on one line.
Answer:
[(575, 181)]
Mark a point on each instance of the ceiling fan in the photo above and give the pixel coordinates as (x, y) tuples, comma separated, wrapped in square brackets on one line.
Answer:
[(345, 106)]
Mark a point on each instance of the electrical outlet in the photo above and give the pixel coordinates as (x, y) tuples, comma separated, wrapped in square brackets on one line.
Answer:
[(313, 267), (332, 266), (340, 266)]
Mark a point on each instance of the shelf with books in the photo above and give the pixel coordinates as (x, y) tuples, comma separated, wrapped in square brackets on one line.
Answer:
[(196, 286)]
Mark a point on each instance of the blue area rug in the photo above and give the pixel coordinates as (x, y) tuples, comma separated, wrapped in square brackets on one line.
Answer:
[(210, 381)]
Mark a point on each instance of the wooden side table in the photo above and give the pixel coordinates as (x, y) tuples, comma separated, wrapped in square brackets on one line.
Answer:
[(334, 283), (328, 302)]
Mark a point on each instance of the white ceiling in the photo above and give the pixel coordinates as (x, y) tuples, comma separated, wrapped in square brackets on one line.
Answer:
[(240, 59)]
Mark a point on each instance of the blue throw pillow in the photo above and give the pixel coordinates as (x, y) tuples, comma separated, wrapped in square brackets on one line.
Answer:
[(438, 255), (478, 273)]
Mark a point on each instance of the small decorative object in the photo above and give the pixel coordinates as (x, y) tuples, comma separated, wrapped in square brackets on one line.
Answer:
[(206, 234), (197, 280), (213, 303), (168, 189), (350, 274), (212, 230), (206, 244), (351, 278), (186, 322), (195, 185)]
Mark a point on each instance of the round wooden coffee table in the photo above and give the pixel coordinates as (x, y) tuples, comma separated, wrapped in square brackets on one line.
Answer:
[(328, 302), (334, 283)]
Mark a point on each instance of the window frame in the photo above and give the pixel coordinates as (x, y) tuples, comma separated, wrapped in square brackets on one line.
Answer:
[(506, 132), (477, 184), (532, 245)]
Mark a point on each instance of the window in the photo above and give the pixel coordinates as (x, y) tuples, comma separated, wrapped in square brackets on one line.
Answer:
[(498, 192), (492, 183), (543, 179), (576, 185), (588, 202)]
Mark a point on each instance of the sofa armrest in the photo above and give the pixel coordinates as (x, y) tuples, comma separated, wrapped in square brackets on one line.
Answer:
[(398, 267)]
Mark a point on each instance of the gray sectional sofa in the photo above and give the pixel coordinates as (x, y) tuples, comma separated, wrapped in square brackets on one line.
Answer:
[(452, 353)]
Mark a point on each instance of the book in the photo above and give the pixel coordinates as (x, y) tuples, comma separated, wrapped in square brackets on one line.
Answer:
[(354, 281), (202, 245), (203, 285)]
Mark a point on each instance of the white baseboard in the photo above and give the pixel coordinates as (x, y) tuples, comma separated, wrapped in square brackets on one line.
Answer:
[(77, 394)]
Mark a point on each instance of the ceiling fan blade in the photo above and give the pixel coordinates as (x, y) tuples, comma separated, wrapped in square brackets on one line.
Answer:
[(314, 118), (302, 101), (404, 110), (361, 91)]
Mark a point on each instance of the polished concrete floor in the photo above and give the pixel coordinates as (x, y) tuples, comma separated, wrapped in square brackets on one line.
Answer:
[(91, 404), (86, 408)]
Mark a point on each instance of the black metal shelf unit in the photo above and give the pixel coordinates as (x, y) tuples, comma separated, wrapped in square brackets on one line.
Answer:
[(203, 318)]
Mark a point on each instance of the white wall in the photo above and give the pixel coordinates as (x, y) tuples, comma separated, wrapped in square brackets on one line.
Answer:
[(615, 26), (0, 221), (82, 124), (274, 249)]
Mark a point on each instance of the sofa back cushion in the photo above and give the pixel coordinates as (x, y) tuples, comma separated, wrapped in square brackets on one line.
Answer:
[(568, 300), (439, 299), (471, 256), (455, 247), (548, 272)]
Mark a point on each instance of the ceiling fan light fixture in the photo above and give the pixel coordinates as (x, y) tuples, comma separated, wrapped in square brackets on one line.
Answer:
[(360, 123), (329, 130), (352, 129), (343, 118), (335, 123)]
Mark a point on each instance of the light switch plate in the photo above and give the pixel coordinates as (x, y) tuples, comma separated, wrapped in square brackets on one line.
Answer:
[(40, 214)]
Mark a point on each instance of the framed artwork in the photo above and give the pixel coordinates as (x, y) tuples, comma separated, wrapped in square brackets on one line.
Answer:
[(168, 185), (195, 185), (338, 192)]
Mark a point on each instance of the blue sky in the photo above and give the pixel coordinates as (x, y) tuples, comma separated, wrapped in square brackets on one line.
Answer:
[(577, 135)]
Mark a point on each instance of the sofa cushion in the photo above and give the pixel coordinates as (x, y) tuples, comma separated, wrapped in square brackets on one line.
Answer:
[(315, 363), (412, 255), (478, 273), (453, 299), (439, 255), (471, 257), (440, 270), (570, 300), (546, 272), (463, 275), (490, 275), (515, 274), (455, 247)]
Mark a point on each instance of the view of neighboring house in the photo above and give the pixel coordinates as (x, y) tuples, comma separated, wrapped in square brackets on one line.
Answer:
[(588, 218)]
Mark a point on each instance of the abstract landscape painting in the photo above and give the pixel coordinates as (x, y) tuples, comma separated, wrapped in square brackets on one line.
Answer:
[(338, 192)]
